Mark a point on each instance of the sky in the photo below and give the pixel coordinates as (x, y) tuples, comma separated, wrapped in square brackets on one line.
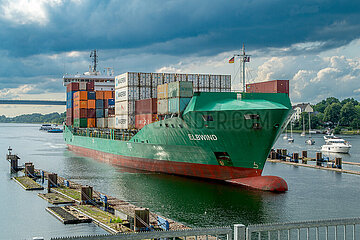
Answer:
[(314, 44)]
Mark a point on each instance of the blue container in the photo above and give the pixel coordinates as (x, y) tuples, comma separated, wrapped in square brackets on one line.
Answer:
[(99, 113), (69, 103), (99, 103), (91, 95), (70, 95), (111, 102)]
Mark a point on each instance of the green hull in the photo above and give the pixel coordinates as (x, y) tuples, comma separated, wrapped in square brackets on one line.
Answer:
[(219, 136)]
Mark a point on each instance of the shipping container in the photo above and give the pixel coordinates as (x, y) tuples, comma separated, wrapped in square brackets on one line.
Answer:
[(69, 104), (80, 122), (125, 108), (99, 103), (108, 94), (225, 81), (90, 86), (177, 105), (154, 93), (275, 86), (162, 106), (111, 122), (92, 104), (146, 106), (91, 113), (82, 86), (101, 122), (111, 112), (69, 121), (72, 87), (126, 94), (99, 113), (162, 91), (91, 95), (145, 92), (91, 122), (157, 79), (144, 119), (195, 79), (124, 122), (214, 81), (69, 112), (104, 86), (70, 95), (204, 80), (169, 77), (81, 95), (180, 89), (127, 79), (111, 102), (80, 104), (99, 95), (145, 79), (80, 112), (181, 77)]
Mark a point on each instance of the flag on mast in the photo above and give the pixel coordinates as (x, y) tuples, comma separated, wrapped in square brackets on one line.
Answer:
[(232, 60)]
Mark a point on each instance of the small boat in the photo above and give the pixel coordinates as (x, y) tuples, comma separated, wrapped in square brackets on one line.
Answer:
[(310, 141), (55, 130), (45, 127), (330, 137), (290, 139), (336, 145)]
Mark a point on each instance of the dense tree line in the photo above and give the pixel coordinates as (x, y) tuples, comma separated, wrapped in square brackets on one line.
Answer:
[(55, 117), (333, 113)]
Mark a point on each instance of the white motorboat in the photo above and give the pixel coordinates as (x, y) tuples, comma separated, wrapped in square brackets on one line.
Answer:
[(330, 137), (336, 145)]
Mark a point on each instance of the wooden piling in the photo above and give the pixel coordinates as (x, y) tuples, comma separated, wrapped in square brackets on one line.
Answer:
[(318, 159), (338, 162), (295, 157)]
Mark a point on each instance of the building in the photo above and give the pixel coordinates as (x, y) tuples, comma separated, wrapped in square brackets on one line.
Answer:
[(300, 108)]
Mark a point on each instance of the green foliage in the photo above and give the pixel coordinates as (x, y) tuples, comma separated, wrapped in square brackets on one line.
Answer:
[(337, 130), (35, 118), (347, 114), (332, 113), (116, 220)]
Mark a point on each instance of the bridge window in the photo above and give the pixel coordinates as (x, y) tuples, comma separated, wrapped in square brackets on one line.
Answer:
[(207, 118), (251, 116)]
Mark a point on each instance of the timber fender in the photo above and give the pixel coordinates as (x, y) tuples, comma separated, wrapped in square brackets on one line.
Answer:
[(264, 183)]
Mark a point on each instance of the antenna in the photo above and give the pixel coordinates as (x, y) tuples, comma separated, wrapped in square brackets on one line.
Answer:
[(94, 61)]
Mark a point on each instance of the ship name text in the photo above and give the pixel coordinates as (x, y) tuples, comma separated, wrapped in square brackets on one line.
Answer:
[(202, 137)]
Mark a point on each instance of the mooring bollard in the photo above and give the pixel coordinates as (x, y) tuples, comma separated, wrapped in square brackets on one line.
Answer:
[(304, 157), (338, 163), (318, 159), (295, 157)]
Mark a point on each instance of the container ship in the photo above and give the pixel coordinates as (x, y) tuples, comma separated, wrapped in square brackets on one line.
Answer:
[(183, 124)]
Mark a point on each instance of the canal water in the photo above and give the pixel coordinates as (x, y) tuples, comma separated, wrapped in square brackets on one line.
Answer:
[(313, 194)]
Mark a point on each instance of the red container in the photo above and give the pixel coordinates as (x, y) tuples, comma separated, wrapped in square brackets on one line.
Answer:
[(69, 121), (90, 86), (146, 106), (111, 112), (80, 113), (91, 113), (144, 119), (72, 87), (275, 86), (91, 122), (69, 112)]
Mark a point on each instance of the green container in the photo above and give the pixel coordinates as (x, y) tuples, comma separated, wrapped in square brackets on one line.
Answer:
[(177, 105), (80, 122), (180, 89)]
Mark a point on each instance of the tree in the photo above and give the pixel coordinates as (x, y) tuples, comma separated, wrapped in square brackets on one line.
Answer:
[(352, 100), (347, 114), (332, 113)]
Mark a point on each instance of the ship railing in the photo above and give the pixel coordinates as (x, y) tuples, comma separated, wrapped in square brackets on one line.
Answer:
[(223, 233), (116, 134), (348, 228)]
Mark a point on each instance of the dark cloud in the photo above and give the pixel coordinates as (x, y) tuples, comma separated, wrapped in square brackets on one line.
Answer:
[(184, 27)]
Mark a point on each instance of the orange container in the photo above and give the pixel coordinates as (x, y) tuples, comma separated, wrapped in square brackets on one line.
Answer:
[(80, 104), (108, 94), (99, 94), (80, 95), (91, 122), (91, 104)]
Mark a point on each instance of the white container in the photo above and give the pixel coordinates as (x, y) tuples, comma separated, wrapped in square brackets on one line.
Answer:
[(204, 80), (145, 80), (103, 88), (82, 86), (145, 92), (101, 122), (180, 77), (169, 77), (126, 94), (204, 89), (124, 121), (225, 81), (126, 80), (111, 122), (180, 89), (157, 79), (154, 92), (218, 82), (125, 108), (162, 106), (214, 81)]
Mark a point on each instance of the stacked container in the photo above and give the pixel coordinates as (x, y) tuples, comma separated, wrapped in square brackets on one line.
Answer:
[(179, 95), (145, 112), (91, 111), (80, 109)]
